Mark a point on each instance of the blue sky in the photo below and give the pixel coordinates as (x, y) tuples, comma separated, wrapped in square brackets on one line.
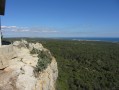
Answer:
[(61, 18)]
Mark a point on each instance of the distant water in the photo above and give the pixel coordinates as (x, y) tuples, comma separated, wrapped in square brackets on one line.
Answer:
[(92, 39)]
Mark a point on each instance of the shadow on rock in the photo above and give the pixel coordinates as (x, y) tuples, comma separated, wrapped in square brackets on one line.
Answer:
[(5, 42)]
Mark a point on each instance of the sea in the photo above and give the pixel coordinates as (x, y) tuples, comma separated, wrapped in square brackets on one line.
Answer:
[(91, 39)]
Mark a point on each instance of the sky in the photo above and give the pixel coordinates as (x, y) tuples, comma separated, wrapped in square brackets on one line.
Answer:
[(61, 18)]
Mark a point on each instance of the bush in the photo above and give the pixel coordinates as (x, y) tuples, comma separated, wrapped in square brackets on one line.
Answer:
[(44, 59), (34, 51)]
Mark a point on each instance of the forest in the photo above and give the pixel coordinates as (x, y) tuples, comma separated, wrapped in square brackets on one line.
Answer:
[(84, 65)]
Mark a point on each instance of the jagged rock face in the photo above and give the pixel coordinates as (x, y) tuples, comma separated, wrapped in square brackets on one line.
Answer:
[(20, 75)]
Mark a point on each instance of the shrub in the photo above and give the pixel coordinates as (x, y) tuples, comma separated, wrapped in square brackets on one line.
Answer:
[(34, 51), (44, 59)]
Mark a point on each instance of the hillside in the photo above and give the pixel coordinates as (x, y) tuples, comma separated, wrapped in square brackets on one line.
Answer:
[(84, 65)]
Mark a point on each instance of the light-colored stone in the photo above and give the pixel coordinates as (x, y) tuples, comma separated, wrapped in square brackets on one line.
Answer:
[(16, 43), (21, 44), (26, 79), (19, 73), (37, 46), (47, 78), (6, 53)]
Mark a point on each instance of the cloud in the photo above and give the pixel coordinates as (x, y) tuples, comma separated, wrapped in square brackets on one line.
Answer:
[(8, 27), (57, 32), (28, 29), (17, 30)]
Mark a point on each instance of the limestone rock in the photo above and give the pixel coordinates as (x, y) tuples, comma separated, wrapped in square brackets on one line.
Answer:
[(48, 77), (6, 53), (37, 46), (20, 44), (26, 79), (19, 73)]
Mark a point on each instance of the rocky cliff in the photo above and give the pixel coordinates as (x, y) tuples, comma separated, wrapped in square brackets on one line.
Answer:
[(20, 70)]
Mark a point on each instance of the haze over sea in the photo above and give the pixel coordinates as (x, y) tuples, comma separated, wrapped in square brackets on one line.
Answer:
[(91, 39)]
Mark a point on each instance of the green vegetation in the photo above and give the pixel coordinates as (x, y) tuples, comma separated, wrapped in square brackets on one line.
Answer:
[(85, 65), (44, 59), (35, 51)]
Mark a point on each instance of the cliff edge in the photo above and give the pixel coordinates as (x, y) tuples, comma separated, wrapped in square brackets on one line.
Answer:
[(27, 66)]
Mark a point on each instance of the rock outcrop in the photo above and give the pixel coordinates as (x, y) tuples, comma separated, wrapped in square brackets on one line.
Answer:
[(6, 53), (19, 72)]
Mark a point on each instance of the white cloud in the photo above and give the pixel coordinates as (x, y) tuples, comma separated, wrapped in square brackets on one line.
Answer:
[(8, 27), (27, 29), (47, 31), (17, 30)]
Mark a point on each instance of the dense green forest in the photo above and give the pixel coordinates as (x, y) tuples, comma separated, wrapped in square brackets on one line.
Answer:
[(84, 65)]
